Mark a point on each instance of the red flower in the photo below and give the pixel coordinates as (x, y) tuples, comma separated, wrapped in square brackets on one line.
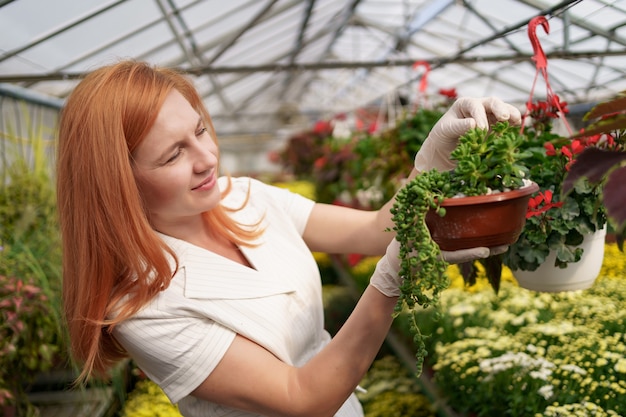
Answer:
[(541, 203), (550, 151), (354, 258), (448, 92), (320, 162), (323, 127)]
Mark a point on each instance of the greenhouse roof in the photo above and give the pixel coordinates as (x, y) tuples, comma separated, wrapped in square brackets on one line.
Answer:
[(262, 65)]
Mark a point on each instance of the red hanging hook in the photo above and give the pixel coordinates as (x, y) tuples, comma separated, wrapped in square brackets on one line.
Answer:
[(424, 79), (421, 99), (541, 65), (539, 56)]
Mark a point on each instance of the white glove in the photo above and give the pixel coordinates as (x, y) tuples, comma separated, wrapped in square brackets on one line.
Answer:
[(386, 277), (466, 113), (466, 255)]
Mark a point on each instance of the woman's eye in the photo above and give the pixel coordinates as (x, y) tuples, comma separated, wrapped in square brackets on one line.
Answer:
[(173, 157), (201, 131)]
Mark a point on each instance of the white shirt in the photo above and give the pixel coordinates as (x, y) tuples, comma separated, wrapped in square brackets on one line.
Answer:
[(182, 334)]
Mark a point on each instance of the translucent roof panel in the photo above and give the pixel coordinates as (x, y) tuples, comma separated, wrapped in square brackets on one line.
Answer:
[(263, 65)]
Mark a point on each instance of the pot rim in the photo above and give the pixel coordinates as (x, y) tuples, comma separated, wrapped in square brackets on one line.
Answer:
[(491, 198)]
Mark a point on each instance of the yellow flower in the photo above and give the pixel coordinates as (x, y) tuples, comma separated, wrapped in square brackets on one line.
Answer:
[(304, 188)]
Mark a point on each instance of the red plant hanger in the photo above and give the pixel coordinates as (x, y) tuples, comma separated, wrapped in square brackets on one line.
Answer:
[(541, 65), (421, 92)]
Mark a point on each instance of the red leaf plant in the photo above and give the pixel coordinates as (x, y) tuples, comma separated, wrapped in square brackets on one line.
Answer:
[(604, 165)]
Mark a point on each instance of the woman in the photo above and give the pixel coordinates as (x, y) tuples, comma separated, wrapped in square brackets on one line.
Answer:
[(209, 283)]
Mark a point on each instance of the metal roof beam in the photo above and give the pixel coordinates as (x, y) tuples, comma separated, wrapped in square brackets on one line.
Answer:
[(299, 44), (329, 65), (119, 39), (313, 38), (191, 51), (54, 33), (256, 19), (347, 14), (226, 38), (303, 26), (244, 103), (596, 30), (420, 18)]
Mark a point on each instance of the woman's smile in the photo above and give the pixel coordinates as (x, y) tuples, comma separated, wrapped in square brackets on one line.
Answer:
[(207, 184)]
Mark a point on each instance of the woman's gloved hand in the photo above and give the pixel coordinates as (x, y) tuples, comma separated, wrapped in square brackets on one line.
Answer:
[(466, 113), (386, 277)]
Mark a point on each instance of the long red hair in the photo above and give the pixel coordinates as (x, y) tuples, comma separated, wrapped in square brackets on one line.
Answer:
[(113, 262)]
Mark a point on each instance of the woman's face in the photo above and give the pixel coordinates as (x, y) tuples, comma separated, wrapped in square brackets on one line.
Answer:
[(176, 165)]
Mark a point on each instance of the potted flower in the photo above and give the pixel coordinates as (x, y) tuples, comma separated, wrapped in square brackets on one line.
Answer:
[(560, 229), (489, 163)]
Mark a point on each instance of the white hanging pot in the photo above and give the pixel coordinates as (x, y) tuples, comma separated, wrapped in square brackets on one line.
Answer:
[(577, 276)]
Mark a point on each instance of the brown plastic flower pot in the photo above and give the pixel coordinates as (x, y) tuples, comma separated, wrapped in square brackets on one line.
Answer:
[(488, 220)]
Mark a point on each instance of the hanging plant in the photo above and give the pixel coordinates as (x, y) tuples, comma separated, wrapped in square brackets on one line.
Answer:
[(489, 162)]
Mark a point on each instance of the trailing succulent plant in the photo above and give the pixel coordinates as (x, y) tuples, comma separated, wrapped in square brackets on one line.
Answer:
[(487, 161)]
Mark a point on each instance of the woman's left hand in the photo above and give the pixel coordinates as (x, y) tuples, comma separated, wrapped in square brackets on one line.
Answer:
[(466, 113)]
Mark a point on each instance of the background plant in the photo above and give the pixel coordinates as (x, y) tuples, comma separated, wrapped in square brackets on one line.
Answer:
[(27, 344), (33, 339), (148, 400), (391, 391), (518, 352), (363, 168)]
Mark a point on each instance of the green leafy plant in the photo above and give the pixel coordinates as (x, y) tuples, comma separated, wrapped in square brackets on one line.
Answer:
[(555, 222), (487, 160), (32, 338), (604, 167)]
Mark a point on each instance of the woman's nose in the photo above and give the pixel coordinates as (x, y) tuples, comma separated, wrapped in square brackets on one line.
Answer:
[(204, 158)]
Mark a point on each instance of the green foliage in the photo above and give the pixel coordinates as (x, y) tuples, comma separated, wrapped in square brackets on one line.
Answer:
[(570, 217), (486, 160), (605, 168), (28, 340), (413, 130), (392, 392), (32, 338), (364, 170)]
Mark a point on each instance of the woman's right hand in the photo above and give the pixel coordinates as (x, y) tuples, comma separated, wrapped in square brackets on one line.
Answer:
[(386, 277)]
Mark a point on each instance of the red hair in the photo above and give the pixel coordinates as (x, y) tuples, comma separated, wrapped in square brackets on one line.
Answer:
[(113, 261)]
